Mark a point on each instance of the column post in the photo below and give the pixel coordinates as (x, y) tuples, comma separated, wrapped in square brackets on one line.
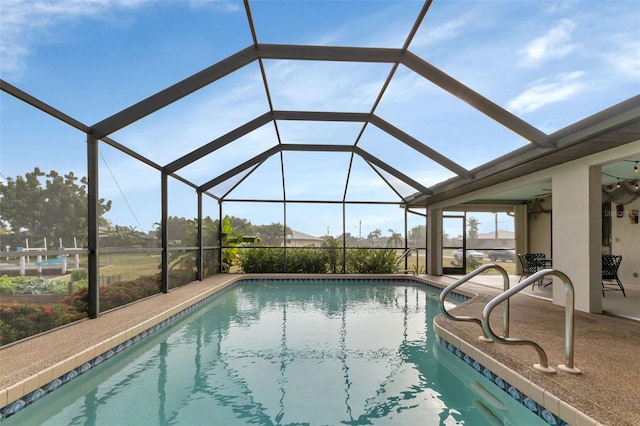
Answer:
[(577, 232), (165, 230), (93, 214), (200, 259), (521, 224), (434, 241)]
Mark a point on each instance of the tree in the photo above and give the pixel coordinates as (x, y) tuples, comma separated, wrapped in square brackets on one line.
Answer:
[(187, 260), (395, 240), (123, 236), (376, 233), (333, 254), (241, 225), (232, 239), (417, 236), (57, 210), (271, 235), (178, 228), (472, 224), (350, 240)]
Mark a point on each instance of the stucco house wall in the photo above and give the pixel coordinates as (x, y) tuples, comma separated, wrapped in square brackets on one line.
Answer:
[(625, 239)]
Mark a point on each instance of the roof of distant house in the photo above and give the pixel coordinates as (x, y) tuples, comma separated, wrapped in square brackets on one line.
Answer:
[(503, 234), (296, 235)]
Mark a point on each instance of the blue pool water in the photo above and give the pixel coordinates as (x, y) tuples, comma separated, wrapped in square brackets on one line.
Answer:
[(266, 353)]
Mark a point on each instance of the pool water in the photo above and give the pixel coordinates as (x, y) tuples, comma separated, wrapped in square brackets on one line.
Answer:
[(303, 353)]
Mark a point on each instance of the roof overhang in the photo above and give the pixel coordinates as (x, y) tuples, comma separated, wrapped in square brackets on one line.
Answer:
[(610, 128)]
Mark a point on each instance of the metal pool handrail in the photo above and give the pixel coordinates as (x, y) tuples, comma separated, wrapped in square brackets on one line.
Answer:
[(404, 255), (569, 322), (451, 287)]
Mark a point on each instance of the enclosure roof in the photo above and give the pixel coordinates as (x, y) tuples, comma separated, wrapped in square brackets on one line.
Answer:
[(433, 100)]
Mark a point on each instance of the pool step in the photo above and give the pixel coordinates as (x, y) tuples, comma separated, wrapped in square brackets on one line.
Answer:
[(489, 398), (489, 416)]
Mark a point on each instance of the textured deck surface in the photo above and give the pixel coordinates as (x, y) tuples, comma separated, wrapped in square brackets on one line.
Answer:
[(607, 349)]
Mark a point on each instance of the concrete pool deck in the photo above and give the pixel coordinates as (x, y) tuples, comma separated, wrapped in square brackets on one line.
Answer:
[(607, 352), (606, 349)]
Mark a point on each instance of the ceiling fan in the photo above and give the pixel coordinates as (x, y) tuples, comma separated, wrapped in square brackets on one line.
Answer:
[(544, 194)]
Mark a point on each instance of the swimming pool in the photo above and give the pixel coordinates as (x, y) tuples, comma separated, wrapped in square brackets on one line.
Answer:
[(288, 352)]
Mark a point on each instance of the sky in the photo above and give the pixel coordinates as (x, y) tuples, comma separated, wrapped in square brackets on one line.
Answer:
[(551, 63)]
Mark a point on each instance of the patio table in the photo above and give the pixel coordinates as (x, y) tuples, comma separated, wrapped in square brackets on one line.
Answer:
[(545, 264)]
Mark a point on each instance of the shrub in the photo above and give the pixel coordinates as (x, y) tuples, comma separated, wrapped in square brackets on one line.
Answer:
[(31, 285), (307, 261), (79, 300), (179, 277), (418, 270), (117, 294), (256, 260), (18, 320), (298, 260), (7, 334), (473, 264), (79, 274), (6, 285), (314, 261), (332, 254), (365, 261)]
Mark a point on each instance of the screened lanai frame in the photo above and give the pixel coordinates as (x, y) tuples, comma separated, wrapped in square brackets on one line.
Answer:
[(259, 52)]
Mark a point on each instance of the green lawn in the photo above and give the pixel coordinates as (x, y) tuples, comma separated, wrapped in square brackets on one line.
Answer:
[(126, 266), (510, 267), (129, 266)]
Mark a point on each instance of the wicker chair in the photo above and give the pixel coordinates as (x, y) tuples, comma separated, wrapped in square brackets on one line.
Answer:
[(610, 266), (531, 263)]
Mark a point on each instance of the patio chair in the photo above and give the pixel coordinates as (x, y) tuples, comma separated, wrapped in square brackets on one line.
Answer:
[(610, 265), (531, 263)]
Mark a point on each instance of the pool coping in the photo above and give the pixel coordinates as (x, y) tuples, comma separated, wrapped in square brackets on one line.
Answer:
[(539, 401), (565, 395), (23, 393)]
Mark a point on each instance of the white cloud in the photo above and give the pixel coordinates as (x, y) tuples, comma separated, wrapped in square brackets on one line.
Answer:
[(193, 124), (545, 91), (325, 86), (556, 43), (219, 5), (25, 22), (552, 8), (625, 57), (446, 31), (405, 87)]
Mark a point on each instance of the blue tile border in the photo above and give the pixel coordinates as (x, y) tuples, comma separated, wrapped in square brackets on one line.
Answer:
[(15, 406), (453, 295), (502, 384)]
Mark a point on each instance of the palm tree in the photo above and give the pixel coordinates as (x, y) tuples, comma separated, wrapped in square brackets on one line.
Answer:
[(395, 240), (472, 224)]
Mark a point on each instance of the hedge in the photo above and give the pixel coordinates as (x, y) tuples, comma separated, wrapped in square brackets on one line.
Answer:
[(317, 261), (18, 321)]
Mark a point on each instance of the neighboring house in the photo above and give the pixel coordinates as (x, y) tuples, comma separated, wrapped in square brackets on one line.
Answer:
[(489, 240), (486, 240), (300, 239)]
